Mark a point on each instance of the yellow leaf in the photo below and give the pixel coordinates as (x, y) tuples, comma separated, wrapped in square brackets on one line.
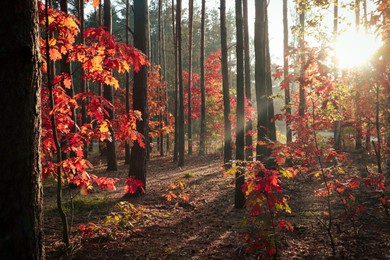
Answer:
[(55, 54), (67, 82), (104, 127), (231, 171), (286, 173)]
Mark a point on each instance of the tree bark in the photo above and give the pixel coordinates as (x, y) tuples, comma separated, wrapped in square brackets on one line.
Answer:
[(202, 141), (20, 178), (189, 119), (240, 127), (181, 87), (140, 101), (248, 89), (108, 94), (176, 137), (227, 155), (260, 78), (127, 82)]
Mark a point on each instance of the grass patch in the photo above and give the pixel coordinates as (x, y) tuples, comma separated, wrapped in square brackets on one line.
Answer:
[(188, 175), (84, 205)]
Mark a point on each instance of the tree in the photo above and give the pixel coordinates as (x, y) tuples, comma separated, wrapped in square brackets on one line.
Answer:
[(302, 103), (127, 81), (191, 14), (285, 70), (227, 154), (202, 143), (260, 78), (140, 101), (240, 125), (248, 90), (108, 94), (180, 122), (21, 187), (176, 137)]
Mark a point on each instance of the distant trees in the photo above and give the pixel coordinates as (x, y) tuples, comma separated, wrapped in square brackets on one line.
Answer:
[(20, 133)]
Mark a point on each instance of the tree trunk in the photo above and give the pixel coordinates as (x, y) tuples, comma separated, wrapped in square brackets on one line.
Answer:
[(161, 58), (181, 87), (260, 78), (108, 94), (227, 155), (287, 97), (302, 101), (189, 119), (337, 123), (20, 178), (176, 137), (239, 201), (202, 141), (248, 90), (359, 130), (127, 82), (140, 101)]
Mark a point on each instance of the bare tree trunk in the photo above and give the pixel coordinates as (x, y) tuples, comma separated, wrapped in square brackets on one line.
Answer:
[(20, 133), (227, 155), (202, 143), (127, 82), (287, 97), (181, 87), (138, 156), (176, 137), (248, 90), (189, 119), (108, 94), (239, 201), (302, 100), (359, 130), (260, 77), (337, 123)]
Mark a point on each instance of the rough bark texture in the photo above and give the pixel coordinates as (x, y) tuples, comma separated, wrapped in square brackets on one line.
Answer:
[(181, 86), (260, 79), (248, 90), (176, 137), (127, 82), (108, 94), (189, 119), (302, 101), (20, 179), (240, 128), (202, 143), (227, 155), (140, 101)]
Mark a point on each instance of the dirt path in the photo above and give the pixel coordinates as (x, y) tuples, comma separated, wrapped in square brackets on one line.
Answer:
[(205, 226)]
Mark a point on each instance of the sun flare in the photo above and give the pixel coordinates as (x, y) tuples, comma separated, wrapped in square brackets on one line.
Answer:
[(354, 49)]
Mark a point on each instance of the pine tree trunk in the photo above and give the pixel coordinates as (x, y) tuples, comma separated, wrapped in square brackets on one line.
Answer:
[(176, 137), (227, 155), (140, 101), (202, 141), (248, 90), (302, 100), (260, 79), (189, 119), (108, 94), (287, 97), (240, 128), (20, 178), (181, 86), (127, 82)]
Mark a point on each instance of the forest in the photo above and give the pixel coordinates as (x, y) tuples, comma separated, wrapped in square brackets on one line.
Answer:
[(170, 129)]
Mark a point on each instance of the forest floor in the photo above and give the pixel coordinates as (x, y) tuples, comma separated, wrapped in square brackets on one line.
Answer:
[(205, 226)]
